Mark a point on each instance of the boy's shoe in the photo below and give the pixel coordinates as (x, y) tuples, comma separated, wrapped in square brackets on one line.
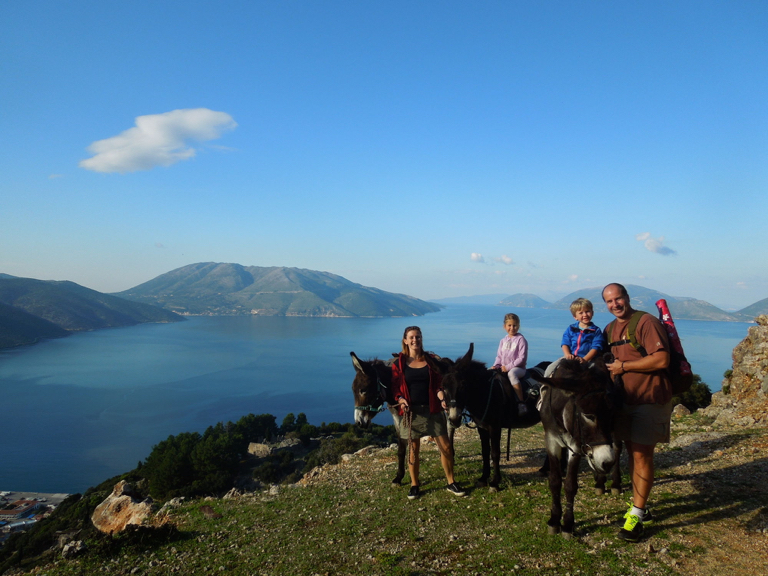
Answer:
[(455, 490), (633, 529), (414, 493), (647, 516), (522, 409)]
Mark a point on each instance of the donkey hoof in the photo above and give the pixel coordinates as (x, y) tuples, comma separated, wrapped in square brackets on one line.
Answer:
[(493, 489), (599, 491), (481, 484), (396, 481), (552, 530), (616, 491), (567, 535)]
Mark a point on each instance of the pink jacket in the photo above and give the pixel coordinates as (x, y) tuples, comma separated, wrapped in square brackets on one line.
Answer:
[(513, 352)]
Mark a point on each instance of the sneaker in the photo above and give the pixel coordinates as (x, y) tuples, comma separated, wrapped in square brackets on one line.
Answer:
[(414, 493), (455, 490), (633, 529), (647, 516), (522, 409)]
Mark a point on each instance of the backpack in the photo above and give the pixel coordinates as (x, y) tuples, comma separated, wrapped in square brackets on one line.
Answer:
[(679, 370)]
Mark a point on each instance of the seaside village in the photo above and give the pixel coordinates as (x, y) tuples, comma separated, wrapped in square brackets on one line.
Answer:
[(21, 510)]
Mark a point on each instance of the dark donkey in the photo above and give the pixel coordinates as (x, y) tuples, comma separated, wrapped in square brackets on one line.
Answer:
[(600, 478), (372, 388), (469, 385), (577, 411)]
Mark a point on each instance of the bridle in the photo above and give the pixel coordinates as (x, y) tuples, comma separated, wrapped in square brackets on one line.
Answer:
[(465, 415), (382, 389)]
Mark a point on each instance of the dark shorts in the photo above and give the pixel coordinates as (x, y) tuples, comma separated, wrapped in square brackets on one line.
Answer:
[(646, 424), (424, 424)]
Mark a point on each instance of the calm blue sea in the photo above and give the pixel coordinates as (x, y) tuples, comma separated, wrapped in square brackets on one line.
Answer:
[(81, 409)]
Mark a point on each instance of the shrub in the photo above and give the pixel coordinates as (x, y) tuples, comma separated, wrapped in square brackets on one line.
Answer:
[(275, 467), (699, 395)]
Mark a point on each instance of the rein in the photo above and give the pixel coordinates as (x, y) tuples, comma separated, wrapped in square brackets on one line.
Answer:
[(382, 397)]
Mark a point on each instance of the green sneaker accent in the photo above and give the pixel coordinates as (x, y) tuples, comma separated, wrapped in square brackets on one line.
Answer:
[(647, 516), (633, 529)]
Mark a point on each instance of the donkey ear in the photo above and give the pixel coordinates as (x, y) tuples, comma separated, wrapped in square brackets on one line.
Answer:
[(467, 358), (356, 362)]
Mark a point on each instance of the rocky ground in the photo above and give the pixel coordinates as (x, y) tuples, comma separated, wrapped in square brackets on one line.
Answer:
[(710, 501)]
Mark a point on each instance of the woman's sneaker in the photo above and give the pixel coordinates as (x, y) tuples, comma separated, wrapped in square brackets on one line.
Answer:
[(455, 490), (414, 493), (633, 529)]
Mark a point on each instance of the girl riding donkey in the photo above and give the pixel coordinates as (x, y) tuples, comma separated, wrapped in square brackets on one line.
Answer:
[(510, 360)]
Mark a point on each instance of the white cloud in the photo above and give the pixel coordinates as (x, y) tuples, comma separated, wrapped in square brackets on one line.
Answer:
[(573, 277), (54, 176), (654, 244), (477, 257), (504, 260), (157, 140)]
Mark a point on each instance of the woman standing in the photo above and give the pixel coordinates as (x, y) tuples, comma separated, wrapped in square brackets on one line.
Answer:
[(418, 390)]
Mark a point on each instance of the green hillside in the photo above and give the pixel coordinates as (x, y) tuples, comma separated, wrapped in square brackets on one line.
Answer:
[(18, 328), (232, 289), (36, 309), (754, 310)]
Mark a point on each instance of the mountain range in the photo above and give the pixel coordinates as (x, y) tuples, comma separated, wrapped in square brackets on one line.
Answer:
[(231, 289), (642, 298), (31, 310)]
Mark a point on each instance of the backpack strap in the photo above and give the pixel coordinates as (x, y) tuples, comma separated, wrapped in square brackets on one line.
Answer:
[(629, 336)]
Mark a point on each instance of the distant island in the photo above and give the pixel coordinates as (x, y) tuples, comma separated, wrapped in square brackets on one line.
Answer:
[(683, 308), (211, 288)]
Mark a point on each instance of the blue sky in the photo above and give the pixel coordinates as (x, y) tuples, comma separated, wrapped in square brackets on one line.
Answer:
[(431, 148)]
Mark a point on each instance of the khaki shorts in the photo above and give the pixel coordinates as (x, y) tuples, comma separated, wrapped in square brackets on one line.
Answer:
[(646, 424), (424, 424)]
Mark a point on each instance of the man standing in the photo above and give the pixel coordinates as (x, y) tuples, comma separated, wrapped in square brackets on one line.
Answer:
[(641, 352)]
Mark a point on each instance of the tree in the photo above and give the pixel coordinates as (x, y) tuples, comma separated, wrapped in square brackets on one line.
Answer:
[(257, 428), (169, 468), (289, 423)]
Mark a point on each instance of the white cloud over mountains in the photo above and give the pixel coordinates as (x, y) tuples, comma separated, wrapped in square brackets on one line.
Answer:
[(157, 140), (654, 244)]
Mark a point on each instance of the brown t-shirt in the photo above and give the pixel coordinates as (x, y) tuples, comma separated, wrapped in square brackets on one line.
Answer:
[(643, 387)]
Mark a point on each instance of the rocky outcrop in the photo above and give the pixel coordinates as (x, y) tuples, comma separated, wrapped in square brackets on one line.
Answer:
[(122, 508), (259, 450), (743, 400)]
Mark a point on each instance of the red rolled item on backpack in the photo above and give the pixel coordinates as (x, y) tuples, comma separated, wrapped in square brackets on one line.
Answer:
[(674, 340)]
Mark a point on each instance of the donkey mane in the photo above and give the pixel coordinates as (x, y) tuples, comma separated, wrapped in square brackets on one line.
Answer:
[(577, 378)]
